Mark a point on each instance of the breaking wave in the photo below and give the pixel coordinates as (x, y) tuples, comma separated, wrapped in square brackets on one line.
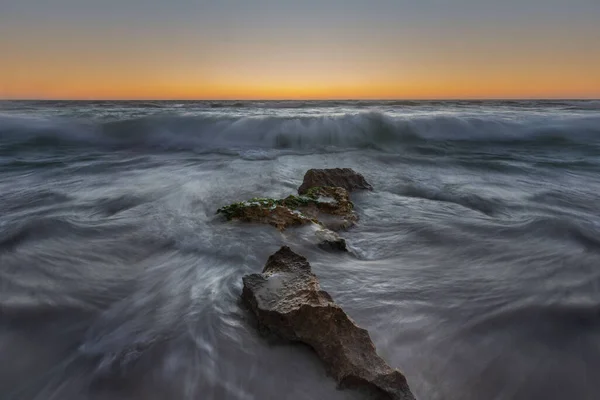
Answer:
[(346, 131)]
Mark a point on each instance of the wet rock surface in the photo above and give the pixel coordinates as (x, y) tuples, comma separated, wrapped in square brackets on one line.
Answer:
[(332, 208), (329, 240), (265, 211), (345, 178), (288, 301), (326, 206)]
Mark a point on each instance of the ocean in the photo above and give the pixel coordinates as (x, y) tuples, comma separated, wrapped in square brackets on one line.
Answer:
[(475, 265)]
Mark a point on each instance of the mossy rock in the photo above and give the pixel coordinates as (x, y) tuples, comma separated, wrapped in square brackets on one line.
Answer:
[(294, 210)]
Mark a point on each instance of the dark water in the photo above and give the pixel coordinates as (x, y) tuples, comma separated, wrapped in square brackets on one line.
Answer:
[(475, 266)]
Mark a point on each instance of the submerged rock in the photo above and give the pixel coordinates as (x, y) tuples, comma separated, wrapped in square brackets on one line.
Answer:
[(329, 240), (288, 301), (345, 178)]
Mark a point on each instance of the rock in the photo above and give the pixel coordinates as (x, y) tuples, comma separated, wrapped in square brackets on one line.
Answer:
[(263, 211), (327, 206), (288, 301), (339, 177), (329, 240), (331, 207)]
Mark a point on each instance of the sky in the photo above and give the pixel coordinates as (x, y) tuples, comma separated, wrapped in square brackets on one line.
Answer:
[(301, 49)]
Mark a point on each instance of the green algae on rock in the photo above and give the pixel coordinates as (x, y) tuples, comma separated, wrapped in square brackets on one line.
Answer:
[(316, 204), (237, 210), (265, 213)]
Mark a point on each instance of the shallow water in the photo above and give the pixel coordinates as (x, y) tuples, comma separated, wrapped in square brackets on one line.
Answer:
[(474, 265)]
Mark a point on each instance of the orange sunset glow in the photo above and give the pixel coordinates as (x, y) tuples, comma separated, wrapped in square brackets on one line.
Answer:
[(350, 55)]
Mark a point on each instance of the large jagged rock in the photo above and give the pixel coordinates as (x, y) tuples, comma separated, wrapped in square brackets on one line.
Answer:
[(345, 178), (288, 302)]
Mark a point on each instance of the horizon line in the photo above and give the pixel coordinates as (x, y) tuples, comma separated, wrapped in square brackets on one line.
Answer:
[(315, 100)]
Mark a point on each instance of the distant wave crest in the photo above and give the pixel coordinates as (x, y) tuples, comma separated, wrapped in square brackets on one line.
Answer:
[(344, 131)]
